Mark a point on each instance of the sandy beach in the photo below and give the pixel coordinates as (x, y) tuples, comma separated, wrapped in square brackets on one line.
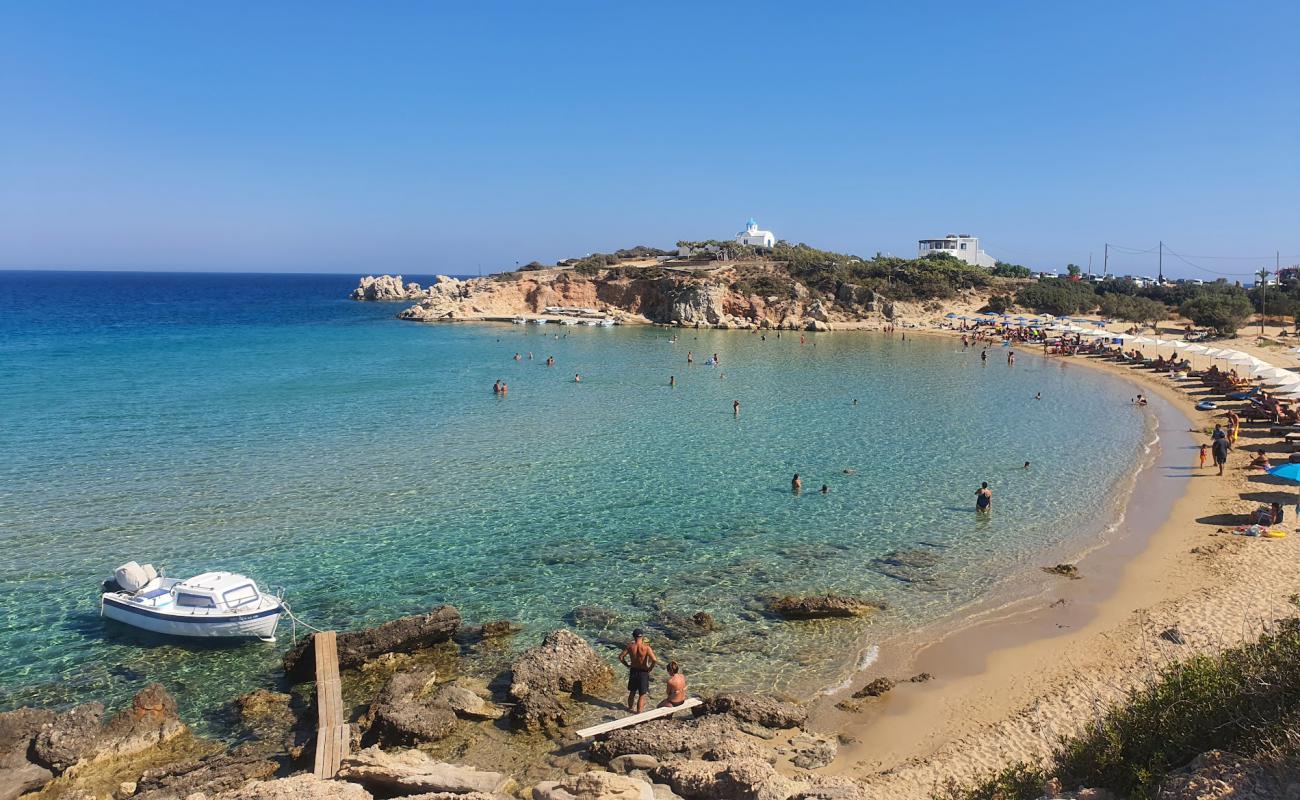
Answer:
[(1012, 679)]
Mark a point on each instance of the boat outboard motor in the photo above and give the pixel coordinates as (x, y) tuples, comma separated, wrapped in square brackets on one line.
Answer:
[(131, 577)]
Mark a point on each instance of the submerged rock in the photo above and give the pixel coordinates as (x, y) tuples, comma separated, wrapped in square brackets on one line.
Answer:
[(150, 721), (413, 771), (821, 606), (1067, 570), (400, 635), (876, 688), (592, 617)]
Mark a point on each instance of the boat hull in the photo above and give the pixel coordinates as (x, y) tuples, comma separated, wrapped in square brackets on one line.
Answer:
[(254, 625)]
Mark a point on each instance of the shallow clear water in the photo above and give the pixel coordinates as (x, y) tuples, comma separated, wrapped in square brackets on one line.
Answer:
[(266, 424)]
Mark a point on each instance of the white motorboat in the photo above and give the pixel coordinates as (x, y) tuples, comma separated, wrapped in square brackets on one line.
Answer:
[(211, 605)]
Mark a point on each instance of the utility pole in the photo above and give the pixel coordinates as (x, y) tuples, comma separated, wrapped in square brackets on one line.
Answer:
[(1105, 264), (1161, 274), (1090, 266), (1263, 298)]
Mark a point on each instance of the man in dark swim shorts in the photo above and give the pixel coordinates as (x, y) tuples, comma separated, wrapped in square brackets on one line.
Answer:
[(639, 660)]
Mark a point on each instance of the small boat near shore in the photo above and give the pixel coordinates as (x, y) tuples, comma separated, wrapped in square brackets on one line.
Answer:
[(210, 605)]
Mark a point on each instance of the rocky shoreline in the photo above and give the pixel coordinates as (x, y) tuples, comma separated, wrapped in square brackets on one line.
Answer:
[(712, 298), (423, 727)]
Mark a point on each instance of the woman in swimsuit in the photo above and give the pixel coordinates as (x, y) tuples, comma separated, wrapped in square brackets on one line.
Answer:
[(984, 498)]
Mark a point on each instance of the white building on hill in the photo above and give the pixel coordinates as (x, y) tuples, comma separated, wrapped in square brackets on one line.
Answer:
[(963, 246), (751, 235)]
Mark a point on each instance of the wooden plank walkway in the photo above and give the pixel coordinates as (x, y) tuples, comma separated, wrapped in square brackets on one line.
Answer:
[(644, 716), (333, 734)]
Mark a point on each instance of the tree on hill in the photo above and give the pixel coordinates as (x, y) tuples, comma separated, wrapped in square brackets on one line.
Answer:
[(1002, 269)]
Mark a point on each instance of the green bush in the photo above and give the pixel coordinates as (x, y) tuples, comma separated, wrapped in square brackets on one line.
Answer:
[(1058, 296), (1225, 312), (1002, 269), (1245, 699), (999, 303)]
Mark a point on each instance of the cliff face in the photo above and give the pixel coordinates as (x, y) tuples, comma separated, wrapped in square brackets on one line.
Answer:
[(714, 299)]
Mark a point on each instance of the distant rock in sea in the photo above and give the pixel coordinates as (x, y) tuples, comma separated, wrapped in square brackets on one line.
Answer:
[(386, 288)]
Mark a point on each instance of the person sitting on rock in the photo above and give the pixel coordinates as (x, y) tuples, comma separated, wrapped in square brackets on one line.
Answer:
[(676, 685)]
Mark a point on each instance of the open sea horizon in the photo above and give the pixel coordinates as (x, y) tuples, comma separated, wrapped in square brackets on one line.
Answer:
[(265, 424)]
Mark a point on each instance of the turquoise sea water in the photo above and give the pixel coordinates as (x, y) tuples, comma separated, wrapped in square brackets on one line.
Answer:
[(266, 424)]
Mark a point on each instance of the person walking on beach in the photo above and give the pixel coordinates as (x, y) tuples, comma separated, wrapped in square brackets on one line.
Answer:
[(1220, 448), (796, 485), (639, 659), (676, 686), (1205, 452), (984, 498)]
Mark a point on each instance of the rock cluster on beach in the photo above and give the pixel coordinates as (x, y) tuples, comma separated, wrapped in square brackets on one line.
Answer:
[(728, 748)]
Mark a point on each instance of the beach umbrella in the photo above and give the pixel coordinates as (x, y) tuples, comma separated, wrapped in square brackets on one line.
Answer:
[(1288, 471), (1198, 348), (1143, 340), (1181, 345), (1290, 382), (1264, 370)]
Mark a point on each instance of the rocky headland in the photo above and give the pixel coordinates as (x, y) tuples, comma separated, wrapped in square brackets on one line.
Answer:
[(737, 296)]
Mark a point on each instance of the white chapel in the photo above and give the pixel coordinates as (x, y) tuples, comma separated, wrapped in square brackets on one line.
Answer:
[(751, 235)]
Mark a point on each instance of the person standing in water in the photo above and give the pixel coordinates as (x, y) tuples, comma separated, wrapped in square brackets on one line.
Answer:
[(796, 485), (735, 408), (984, 498), (984, 355), (672, 380), (640, 660)]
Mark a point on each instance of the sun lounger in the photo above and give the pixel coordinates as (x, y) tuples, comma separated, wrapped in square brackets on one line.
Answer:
[(1244, 395), (644, 716)]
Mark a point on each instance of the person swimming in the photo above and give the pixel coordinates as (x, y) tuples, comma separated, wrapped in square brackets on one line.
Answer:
[(984, 498), (577, 378), (826, 489), (1026, 465)]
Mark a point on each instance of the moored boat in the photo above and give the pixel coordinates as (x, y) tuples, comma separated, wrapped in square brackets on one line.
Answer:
[(210, 605)]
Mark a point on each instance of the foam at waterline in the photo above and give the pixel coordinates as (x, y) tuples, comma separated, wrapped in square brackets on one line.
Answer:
[(865, 659)]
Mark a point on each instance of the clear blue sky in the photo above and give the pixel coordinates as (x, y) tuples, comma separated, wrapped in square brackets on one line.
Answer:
[(434, 137)]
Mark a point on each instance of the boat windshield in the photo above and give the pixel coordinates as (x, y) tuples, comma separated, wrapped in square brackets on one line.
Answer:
[(187, 600)]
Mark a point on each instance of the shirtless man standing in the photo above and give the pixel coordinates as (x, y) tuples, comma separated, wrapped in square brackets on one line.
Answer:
[(639, 660)]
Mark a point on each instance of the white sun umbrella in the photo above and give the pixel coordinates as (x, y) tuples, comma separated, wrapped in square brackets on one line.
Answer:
[(1199, 348), (1143, 340), (1290, 379), (1264, 370)]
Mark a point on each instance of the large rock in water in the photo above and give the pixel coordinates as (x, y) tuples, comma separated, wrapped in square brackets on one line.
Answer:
[(395, 636), (385, 288), (594, 786), (563, 662), (822, 606), (413, 771), (18, 732), (407, 712)]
